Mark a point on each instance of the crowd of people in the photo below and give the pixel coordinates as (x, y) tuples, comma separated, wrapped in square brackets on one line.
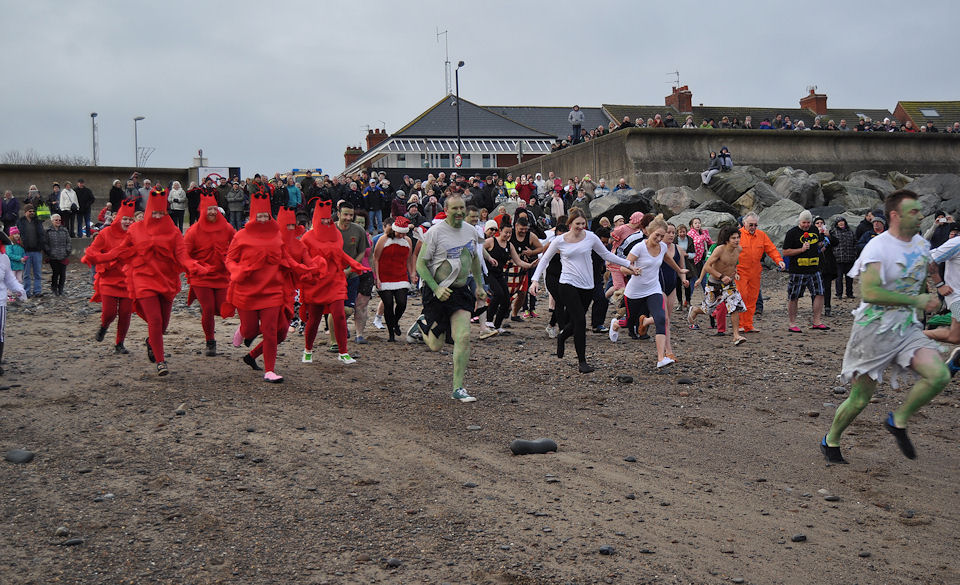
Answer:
[(579, 134), (476, 257)]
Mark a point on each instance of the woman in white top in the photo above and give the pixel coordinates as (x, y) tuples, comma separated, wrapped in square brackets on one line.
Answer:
[(69, 206), (177, 202), (644, 294), (576, 280)]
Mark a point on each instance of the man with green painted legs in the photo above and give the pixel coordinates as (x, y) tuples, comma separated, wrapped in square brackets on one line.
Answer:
[(887, 329), (449, 265)]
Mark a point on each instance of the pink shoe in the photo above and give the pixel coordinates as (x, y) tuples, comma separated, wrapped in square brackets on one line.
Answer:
[(237, 338), (273, 378)]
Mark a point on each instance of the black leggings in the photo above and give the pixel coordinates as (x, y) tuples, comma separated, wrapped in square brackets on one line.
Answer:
[(575, 301), (58, 276), (843, 268), (553, 287), (652, 306), (394, 304), (499, 306)]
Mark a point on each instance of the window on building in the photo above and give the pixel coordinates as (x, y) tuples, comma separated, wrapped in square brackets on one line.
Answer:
[(424, 161), (929, 113), (401, 161), (444, 161), (466, 161), (487, 161)]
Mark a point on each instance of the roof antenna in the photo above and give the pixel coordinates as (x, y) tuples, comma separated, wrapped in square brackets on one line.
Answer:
[(446, 63), (677, 75)]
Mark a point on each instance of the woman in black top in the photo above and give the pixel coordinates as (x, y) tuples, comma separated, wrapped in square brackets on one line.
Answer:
[(501, 251)]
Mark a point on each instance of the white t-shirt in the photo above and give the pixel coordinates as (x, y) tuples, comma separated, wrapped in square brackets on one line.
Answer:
[(443, 242), (576, 259), (648, 282), (903, 269), (949, 252)]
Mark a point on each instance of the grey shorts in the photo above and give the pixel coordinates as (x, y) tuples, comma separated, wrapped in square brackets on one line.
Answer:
[(871, 353)]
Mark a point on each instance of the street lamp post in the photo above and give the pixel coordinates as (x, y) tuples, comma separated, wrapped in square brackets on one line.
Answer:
[(136, 143), (457, 75), (93, 135)]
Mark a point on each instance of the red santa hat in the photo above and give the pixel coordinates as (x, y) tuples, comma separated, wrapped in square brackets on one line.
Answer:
[(401, 225), (440, 216)]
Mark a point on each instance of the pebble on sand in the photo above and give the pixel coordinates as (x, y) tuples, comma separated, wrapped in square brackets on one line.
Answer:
[(19, 456)]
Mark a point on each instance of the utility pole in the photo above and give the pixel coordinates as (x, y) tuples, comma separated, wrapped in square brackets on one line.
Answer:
[(93, 123), (446, 63)]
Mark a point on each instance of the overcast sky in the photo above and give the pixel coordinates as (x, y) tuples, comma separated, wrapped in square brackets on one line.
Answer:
[(270, 86)]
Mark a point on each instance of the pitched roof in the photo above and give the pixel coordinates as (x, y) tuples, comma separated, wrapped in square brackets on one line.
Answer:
[(921, 113), (551, 119), (701, 113), (475, 121)]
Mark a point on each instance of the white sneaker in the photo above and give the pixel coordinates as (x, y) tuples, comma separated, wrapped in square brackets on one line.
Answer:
[(614, 332), (489, 325), (346, 359), (665, 362), (307, 357), (461, 395), (551, 331), (378, 322), (414, 334)]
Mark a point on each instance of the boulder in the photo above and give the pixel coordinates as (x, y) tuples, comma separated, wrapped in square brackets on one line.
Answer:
[(777, 219), (623, 202), (930, 203), (828, 211), (671, 200), (712, 220), (772, 176), (702, 194), (730, 185), (824, 177), (800, 188), (871, 180), (719, 206), (947, 187), (756, 199), (899, 180), (850, 196)]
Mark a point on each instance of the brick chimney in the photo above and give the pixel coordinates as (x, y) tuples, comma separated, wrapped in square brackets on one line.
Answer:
[(351, 155), (375, 137), (815, 102), (681, 100)]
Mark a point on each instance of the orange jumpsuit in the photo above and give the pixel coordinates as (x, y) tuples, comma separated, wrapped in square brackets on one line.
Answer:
[(749, 268)]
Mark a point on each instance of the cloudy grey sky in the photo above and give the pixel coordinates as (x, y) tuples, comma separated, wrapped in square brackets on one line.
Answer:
[(269, 86)]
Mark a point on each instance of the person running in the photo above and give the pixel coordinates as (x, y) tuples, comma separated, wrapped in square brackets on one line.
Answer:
[(576, 281), (110, 285), (552, 279), (393, 268), (528, 246), (644, 293), (671, 282), (155, 255), (888, 329), (326, 293), (501, 253), (721, 276), (449, 266), (255, 261), (947, 254), (207, 242)]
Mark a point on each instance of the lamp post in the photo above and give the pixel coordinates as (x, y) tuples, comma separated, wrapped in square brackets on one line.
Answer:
[(93, 135), (457, 76), (136, 143)]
